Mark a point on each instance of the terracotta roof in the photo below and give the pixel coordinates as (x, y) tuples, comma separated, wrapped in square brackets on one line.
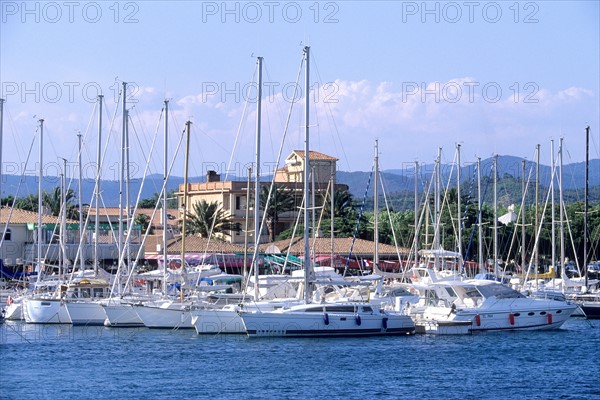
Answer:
[(314, 155), (197, 244), (28, 217), (341, 246), (114, 212)]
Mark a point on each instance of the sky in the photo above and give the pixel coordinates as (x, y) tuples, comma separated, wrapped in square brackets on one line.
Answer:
[(496, 77)]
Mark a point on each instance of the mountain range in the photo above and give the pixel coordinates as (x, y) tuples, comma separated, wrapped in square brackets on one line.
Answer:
[(393, 180)]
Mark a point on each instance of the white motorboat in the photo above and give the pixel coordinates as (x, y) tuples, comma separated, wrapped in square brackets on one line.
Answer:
[(492, 306)]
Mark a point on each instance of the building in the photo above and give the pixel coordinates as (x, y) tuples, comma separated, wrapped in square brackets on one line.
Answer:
[(232, 196)]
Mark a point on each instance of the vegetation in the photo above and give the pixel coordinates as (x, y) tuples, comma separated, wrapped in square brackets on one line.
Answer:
[(282, 200), (205, 215)]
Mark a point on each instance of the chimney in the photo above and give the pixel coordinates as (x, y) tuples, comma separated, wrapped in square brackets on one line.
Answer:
[(212, 176)]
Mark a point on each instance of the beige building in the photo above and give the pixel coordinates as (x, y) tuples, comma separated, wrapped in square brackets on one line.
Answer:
[(232, 195)]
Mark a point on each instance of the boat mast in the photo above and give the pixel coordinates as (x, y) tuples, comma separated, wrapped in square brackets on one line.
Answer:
[(332, 203), (553, 234), (436, 230), (496, 214), (80, 205), (63, 220), (122, 172), (523, 214), (1, 138), (585, 204), (416, 214), (479, 215), (259, 61), (306, 176), (248, 184), (376, 208), (97, 190), (561, 208), (184, 205), (39, 227), (537, 187), (458, 200), (164, 199)]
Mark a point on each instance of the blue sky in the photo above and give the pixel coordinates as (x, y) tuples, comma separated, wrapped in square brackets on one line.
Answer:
[(497, 77)]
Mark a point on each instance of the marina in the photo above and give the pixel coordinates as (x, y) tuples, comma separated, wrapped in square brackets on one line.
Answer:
[(127, 361)]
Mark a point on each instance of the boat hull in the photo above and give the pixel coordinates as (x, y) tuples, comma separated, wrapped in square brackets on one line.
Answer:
[(121, 316), (45, 311), (163, 317), (299, 324), (14, 311), (517, 320), (86, 313), (217, 321)]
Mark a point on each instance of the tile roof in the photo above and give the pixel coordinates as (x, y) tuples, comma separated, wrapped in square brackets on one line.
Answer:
[(197, 244), (341, 246), (28, 217), (314, 155)]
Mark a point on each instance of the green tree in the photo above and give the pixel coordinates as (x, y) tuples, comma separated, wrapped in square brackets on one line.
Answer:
[(53, 202), (143, 221), (282, 200), (205, 215)]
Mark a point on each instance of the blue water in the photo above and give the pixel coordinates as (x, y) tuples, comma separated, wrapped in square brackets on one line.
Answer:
[(52, 362)]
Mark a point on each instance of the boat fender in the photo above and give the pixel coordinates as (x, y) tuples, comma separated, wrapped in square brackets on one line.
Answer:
[(326, 319), (384, 322), (511, 318), (478, 320), (549, 319), (358, 321)]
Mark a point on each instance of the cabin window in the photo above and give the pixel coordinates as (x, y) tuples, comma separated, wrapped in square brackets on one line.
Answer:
[(558, 311), (517, 314), (531, 314), (543, 313), (8, 235)]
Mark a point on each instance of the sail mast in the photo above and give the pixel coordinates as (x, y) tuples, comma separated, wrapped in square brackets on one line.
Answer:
[(97, 190), (585, 204), (376, 207), (164, 199), (458, 200), (184, 205), (39, 227), (561, 208), (80, 205), (306, 175), (496, 214), (259, 61), (479, 215)]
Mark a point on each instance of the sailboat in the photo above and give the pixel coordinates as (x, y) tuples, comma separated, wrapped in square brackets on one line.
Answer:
[(324, 319)]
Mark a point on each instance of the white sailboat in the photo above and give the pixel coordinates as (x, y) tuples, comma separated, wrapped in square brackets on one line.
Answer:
[(325, 319)]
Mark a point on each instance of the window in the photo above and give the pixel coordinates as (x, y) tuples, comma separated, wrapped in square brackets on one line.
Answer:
[(8, 235), (240, 202)]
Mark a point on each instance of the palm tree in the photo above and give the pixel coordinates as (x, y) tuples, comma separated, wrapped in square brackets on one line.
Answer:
[(282, 200), (205, 215), (52, 200)]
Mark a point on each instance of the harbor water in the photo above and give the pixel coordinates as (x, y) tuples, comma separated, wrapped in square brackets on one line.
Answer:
[(62, 361)]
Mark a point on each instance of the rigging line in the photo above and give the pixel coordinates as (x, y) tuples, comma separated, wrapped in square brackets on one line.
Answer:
[(229, 164), (278, 109), (401, 275), (267, 202), (16, 196), (360, 213), (131, 224), (145, 136), (330, 118), (149, 157)]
